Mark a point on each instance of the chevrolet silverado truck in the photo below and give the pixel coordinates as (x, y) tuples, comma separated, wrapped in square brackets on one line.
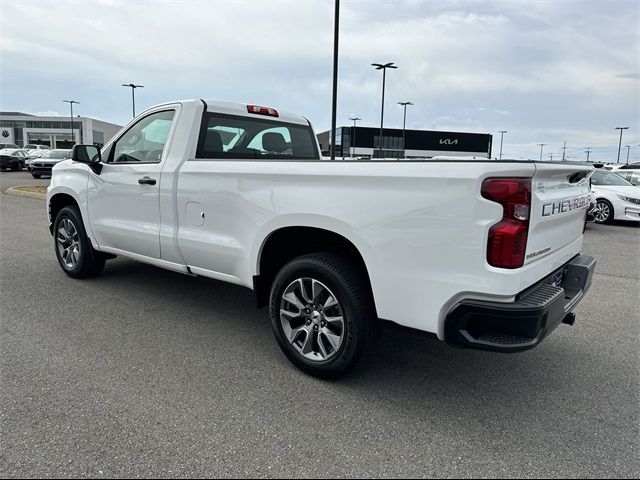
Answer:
[(483, 254)]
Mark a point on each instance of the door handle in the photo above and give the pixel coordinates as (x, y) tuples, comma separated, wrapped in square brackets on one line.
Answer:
[(147, 181)]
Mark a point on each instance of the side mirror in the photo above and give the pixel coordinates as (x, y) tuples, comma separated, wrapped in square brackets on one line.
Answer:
[(86, 154), (89, 154)]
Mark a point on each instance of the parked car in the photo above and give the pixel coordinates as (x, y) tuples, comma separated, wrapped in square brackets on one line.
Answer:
[(32, 147), (43, 165), (4, 146), (12, 159), (616, 198), (632, 176), (483, 254)]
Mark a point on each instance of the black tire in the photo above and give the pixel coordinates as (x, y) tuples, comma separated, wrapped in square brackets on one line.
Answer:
[(90, 262), (15, 167), (607, 219), (350, 287), (36, 175)]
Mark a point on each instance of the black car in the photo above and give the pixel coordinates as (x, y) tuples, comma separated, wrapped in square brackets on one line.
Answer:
[(44, 164), (12, 159)]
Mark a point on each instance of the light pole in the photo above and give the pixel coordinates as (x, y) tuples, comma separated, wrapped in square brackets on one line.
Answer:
[(541, 145), (587, 151), (334, 105), (628, 147), (564, 149), (620, 144), (133, 94), (502, 132), (404, 126), (550, 156), (353, 134), (71, 102), (379, 66)]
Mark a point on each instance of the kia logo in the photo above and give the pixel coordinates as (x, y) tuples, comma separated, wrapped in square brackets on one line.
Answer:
[(5, 133), (448, 141)]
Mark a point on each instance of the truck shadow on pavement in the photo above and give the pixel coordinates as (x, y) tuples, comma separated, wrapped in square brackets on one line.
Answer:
[(418, 367)]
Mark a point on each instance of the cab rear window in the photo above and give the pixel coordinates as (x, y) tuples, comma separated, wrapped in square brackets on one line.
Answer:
[(237, 137)]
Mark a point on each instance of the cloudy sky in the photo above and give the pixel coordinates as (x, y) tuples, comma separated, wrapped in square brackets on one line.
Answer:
[(545, 71)]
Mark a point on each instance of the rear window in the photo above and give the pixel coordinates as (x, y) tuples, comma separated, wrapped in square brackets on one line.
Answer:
[(237, 137)]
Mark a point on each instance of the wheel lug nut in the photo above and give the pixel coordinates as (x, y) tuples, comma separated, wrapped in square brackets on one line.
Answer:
[(315, 327), (308, 322)]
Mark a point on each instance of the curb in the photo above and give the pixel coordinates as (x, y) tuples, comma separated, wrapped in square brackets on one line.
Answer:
[(16, 192)]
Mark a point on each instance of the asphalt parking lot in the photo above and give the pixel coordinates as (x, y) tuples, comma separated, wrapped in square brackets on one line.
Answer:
[(145, 372)]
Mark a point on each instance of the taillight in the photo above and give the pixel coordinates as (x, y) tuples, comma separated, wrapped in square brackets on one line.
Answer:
[(508, 238), (258, 110)]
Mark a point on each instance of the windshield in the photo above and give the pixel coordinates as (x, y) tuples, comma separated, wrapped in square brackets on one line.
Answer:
[(57, 154), (633, 177), (608, 179)]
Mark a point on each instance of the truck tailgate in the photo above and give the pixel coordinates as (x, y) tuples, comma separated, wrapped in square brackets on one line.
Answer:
[(559, 203)]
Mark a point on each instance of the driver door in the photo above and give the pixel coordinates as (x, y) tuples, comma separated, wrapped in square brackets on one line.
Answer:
[(123, 199)]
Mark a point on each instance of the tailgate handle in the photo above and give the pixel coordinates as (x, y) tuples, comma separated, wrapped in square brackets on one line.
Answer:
[(576, 177)]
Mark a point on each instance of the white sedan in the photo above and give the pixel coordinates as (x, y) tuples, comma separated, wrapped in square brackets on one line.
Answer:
[(616, 198)]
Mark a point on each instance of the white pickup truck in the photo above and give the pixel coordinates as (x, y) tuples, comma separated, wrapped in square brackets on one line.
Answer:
[(484, 254)]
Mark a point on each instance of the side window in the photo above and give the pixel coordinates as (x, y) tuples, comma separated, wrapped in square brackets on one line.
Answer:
[(145, 141)]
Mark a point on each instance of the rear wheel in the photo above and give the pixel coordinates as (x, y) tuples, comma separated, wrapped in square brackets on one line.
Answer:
[(603, 212), (35, 175), (75, 254), (322, 314)]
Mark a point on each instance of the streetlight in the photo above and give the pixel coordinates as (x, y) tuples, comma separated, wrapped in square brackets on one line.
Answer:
[(628, 149), (404, 126), (334, 105), (502, 132), (379, 66), (133, 95), (587, 151), (620, 144), (353, 134), (541, 145), (71, 102)]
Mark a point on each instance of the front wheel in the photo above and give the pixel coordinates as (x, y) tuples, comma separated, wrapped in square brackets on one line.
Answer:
[(603, 212), (75, 254), (322, 314)]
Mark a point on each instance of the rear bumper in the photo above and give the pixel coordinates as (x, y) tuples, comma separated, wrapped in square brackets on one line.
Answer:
[(524, 323)]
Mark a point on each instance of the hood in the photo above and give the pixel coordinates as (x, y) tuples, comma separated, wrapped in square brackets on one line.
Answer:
[(626, 190)]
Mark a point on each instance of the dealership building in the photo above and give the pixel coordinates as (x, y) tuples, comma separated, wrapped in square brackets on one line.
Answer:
[(364, 142), (56, 132)]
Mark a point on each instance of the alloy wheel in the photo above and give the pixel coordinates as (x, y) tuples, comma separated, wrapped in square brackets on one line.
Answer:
[(601, 212), (312, 319), (68, 243)]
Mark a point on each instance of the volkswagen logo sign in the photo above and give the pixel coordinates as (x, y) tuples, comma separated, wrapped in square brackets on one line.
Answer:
[(5, 133)]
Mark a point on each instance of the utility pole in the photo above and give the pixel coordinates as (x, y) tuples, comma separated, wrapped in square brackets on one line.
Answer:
[(564, 149), (620, 143), (587, 151), (404, 126), (541, 145), (383, 67), (71, 102), (628, 149), (550, 156), (133, 94), (353, 134), (334, 105), (502, 132)]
